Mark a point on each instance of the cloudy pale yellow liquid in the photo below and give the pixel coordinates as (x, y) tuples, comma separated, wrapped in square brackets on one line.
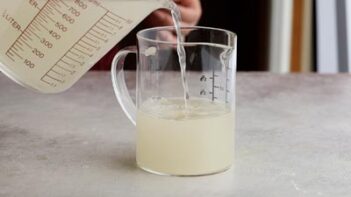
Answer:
[(175, 141)]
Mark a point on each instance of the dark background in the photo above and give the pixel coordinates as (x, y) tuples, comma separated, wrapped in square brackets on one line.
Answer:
[(249, 19)]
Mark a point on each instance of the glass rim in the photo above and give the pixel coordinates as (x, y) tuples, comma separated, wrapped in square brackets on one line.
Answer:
[(141, 36)]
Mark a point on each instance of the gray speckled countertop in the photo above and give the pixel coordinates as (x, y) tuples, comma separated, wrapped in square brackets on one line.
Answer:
[(293, 138)]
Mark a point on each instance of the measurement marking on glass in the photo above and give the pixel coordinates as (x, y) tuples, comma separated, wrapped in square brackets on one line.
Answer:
[(213, 84)]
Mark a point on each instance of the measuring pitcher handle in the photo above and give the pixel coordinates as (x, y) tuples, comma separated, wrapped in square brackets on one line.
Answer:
[(119, 83)]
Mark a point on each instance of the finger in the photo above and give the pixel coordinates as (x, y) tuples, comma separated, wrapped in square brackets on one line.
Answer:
[(190, 15), (167, 36), (164, 18), (160, 18), (189, 3)]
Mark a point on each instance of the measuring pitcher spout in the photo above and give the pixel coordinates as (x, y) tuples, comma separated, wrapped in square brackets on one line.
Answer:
[(48, 45)]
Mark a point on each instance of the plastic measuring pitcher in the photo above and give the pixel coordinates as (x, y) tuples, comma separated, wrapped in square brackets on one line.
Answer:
[(47, 45)]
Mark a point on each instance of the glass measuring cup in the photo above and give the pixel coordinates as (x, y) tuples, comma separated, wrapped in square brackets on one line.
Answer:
[(47, 45), (174, 136)]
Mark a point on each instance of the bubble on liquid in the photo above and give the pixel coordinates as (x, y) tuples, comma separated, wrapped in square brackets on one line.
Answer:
[(175, 108)]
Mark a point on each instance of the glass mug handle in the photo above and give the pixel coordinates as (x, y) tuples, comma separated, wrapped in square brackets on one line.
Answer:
[(119, 83)]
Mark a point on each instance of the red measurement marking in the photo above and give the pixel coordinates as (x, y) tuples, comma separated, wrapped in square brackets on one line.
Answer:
[(84, 47), (58, 65), (84, 53), (41, 19), (64, 3), (8, 55), (58, 80), (31, 28), (58, 73), (54, 8), (27, 36), (20, 40), (124, 19), (104, 30), (12, 51), (43, 26), (11, 58), (74, 60), (75, 53), (23, 32), (46, 15), (115, 25), (89, 44), (115, 20), (49, 10), (36, 35), (73, 47), (18, 45), (56, 3), (65, 69), (35, 26), (99, 33), (95, 36), (103, 24), (51, 84), (68, 64), (94, 41)]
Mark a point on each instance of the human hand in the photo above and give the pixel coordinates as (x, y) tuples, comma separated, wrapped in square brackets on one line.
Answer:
[(190, 12)]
